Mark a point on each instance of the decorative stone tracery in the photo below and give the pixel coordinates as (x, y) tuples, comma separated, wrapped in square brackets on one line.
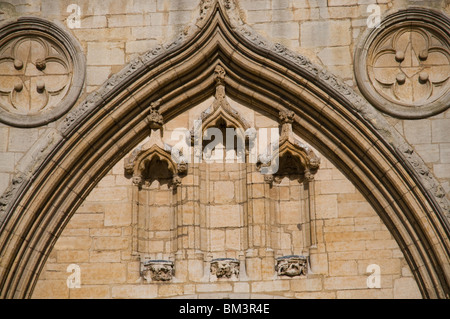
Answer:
[(220, 115), (288, 156), (42, 72), (137, 165), (225, 268), (294, 160), (403, 67)]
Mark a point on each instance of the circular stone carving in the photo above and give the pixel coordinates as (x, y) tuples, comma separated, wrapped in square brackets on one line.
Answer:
[(403, 67), (42, 72)]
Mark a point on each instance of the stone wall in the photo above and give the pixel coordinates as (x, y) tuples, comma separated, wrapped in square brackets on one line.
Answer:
[(114, 32), (351, 235)]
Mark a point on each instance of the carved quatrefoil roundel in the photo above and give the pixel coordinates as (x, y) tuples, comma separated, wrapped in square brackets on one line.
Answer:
[(403, 67), (41, 72)]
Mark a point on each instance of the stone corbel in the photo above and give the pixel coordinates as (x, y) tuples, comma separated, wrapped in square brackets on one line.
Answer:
[(157, 270), (226, 268), (291, 266)]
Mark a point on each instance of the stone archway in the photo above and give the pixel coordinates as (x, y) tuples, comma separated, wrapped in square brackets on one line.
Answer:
[(111, 121)]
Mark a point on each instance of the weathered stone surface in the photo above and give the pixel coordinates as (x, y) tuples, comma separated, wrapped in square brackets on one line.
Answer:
[(335, 56), (134, 292), (325, 33), (406, 288), (230, 213), (439, 130), (225, 215)]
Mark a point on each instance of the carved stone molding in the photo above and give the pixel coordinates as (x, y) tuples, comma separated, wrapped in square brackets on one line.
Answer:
[(225, 268), (137, 165), (42, 72), (158, 270), (220, 115), (403, 67), (424, 209), (288, 157), (219, 109), (291, 266)]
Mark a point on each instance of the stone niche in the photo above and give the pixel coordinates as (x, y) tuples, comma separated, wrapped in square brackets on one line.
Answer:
[(403, 67), (156, 174), (289, 168), (209, 211)]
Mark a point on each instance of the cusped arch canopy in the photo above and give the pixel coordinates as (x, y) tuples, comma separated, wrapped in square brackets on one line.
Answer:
[(138, 166), (288, 156), (72, 158)]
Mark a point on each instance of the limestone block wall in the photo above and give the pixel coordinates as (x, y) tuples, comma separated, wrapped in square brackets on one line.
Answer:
[(350, 237)]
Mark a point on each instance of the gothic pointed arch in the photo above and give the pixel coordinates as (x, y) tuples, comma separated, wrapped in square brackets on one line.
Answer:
[(221, 108), (138, 164), (60, 171), (221, 115)]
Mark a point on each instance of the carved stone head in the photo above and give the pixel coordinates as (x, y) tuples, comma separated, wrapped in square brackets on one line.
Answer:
[(291, 266)]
